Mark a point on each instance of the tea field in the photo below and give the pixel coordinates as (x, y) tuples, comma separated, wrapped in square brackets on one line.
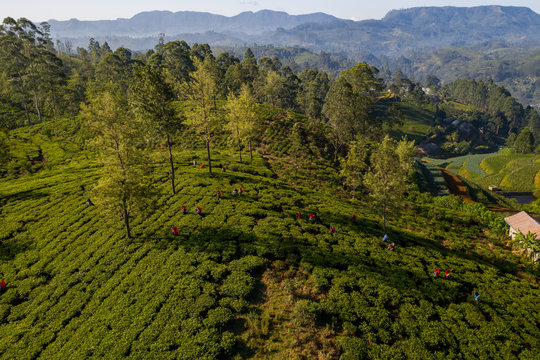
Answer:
[(504, 169), (247, 279)]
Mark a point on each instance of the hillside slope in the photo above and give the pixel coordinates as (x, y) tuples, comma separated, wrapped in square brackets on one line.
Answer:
[(248, 279)]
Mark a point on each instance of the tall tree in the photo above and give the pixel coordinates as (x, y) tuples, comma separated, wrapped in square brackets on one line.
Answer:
[(354, 166), (272, 87), (24, 47), (314, 87), (388, 177), (350, 103), (153, 98), (174, 56), (242, 118), (524, 143), (201, 113), (123, 185)]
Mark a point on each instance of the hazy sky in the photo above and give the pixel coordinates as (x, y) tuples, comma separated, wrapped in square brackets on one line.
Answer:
[(40, 10)]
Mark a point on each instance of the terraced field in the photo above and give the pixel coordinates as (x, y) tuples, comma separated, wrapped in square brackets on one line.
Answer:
[(247, 279), (508, 171)]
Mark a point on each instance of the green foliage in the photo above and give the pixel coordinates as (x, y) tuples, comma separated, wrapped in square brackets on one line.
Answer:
[(247, 278), (528, 243), (524, 143), (354, 166), (77, 288), (388, 177)]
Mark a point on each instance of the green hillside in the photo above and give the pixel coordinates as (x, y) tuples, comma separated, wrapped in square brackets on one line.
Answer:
[(504, 169), (247, 279)]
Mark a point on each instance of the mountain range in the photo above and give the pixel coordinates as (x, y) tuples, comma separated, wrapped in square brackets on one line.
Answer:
[(398, 32)]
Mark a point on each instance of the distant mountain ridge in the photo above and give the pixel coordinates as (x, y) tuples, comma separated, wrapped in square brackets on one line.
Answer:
[(398, 32), (185, 22), (418, 28)]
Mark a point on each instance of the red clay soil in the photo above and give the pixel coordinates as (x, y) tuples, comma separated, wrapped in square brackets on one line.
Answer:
[(455, 185)]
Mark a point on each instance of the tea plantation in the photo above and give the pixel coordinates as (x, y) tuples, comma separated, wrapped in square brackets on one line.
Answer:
[(505, 169), (248, 279)]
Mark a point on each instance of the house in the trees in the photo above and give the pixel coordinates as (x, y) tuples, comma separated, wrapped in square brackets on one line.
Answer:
[(524, 223)]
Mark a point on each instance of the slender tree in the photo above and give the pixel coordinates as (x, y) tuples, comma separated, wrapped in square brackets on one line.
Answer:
[(153, 98), (388, 178), (201, 114), (123, 185), (354, 166), (243, 119)]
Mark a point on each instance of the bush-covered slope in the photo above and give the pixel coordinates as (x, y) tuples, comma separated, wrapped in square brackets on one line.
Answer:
[(248, 279)]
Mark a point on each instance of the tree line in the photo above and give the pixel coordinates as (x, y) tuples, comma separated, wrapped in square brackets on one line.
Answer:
[(132, 102)]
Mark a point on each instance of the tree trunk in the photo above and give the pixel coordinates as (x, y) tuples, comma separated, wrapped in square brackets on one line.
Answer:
[(126, 219), (239, 144), (250, 150), (208, 154), (384, 217), (24, 99), (53, 96), (36, 102), (169, 146), (240, 151)]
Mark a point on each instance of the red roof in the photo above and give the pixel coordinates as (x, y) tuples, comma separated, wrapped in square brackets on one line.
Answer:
[(523, 222)]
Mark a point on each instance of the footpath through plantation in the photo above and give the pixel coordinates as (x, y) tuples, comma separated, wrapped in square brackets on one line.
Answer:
[(248, 278)]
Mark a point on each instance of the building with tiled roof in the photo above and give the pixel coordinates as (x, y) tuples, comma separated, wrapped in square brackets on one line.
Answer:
[(524, 223)]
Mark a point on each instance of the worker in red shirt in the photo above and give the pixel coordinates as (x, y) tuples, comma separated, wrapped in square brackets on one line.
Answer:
[(175, 231)]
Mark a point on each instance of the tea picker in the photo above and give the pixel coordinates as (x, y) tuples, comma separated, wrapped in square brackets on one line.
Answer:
[(183, 210), (476, 296), (174, 230), (198, 210)]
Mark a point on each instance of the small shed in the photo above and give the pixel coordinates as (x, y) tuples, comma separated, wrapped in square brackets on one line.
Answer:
[(431, 149), (524, 223)]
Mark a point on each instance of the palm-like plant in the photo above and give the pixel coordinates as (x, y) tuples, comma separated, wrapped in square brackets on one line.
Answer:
[(528, 243)]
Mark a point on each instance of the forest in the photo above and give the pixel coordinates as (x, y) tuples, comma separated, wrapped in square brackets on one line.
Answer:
[(179, 204)]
